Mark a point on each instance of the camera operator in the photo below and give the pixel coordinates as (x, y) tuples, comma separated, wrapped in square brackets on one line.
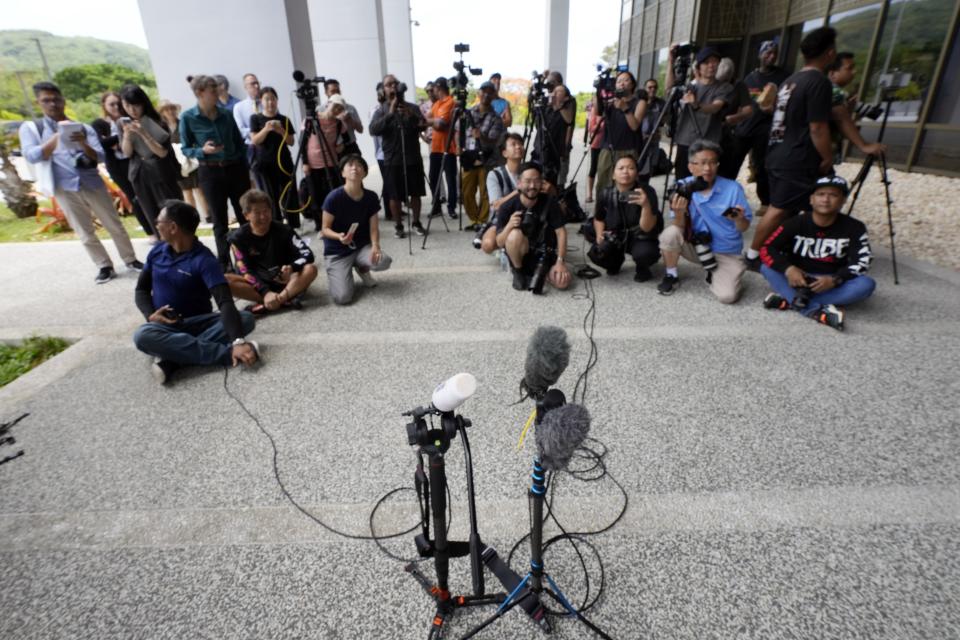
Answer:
[(799, 149), (710, 221), (624, 113), (480, 156), (841, 73), (700, 107), (626, 220), (501, 186), (530, 229), (655, 105), (552, 149), (752, 135), (817, 260), (399, 124), (349, 118), (440, 119)]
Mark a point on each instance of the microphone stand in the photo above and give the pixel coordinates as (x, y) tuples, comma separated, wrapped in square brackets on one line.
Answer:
[(530, 588), (434, 444)]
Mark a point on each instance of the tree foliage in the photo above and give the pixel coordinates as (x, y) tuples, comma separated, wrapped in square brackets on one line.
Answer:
[(90, 80)]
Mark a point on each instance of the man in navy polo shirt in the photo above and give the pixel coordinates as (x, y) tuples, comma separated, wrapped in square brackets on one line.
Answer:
[(718, 215), (173, 294)]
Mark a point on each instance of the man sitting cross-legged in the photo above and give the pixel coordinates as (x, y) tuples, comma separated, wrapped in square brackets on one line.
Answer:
[(274, 265), (173, 294), (817, 260), (351, 235)]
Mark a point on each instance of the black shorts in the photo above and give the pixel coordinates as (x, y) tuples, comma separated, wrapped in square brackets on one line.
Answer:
[(594, 154), (393, 181), (790, 190)]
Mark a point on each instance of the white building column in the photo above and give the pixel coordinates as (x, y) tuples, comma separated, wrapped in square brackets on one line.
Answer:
[(557, 23)]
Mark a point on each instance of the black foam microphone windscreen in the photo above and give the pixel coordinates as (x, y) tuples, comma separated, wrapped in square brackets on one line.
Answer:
[(560, 433), (548, 354)]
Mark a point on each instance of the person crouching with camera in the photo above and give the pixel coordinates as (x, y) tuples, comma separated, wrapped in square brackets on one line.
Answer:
[(710, 214), (530, 229), (817, 260), (626, 220)]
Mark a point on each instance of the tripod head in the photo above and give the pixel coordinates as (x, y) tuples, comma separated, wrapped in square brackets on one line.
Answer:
[(308, 90), (459, 82)]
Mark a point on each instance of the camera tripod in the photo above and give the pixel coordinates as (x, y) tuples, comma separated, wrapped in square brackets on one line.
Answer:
[(407, 198), (433, 444), (884, 178), (526, 592), (311, 126), (545, 145), (10, 440)]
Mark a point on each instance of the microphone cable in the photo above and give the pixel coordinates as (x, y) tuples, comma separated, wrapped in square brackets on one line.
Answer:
[(377, 539)]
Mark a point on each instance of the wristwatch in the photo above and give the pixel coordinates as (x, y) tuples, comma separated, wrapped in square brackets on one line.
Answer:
[(239, 341)]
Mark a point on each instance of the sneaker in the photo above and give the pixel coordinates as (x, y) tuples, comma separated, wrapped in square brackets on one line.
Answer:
[(106, 274), (453, 215), (519, 280), (753, 264), (162, 370), (613, 272), (668, 285), (367, 278), (830, 316), (136, 265), (642, 275), (419, 229), (775, 301), (398, 232), (471, 227)]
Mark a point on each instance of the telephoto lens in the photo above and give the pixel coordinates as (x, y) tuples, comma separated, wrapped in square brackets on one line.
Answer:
[(539, 274), (528, 223), (701, 244)]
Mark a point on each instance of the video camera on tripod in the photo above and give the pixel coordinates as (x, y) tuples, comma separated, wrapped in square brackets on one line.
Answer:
[(308, 90), (540, 90), (683, 55), (459, 82), (606, 83)]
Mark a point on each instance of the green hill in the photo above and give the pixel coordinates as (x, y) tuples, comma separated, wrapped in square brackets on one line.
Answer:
[(18, 52)]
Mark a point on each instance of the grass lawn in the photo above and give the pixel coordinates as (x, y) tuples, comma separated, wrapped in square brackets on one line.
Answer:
[(17, 360), (13, 229)]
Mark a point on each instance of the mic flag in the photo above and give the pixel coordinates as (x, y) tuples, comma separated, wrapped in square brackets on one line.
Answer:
[(560, 433), (548, 354)]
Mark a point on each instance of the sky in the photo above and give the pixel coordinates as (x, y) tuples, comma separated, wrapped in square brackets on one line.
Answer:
[(504, 35)]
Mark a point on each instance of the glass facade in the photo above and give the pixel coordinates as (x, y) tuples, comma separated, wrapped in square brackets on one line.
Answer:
[(905, 51)]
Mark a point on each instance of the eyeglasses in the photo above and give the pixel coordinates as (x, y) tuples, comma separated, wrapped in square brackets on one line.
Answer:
[(706, 163), (50, 100)]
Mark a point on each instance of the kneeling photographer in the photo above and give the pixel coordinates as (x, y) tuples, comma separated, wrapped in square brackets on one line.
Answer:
[(710, 214), (626, 220), (530, 229)]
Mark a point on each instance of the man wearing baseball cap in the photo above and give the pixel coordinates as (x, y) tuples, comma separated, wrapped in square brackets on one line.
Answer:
[(700, 107), (815, 262)]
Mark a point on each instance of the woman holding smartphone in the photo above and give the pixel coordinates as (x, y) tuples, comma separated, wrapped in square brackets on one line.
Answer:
[(144, 139), (118, 165), (351, 232), (272, 135)]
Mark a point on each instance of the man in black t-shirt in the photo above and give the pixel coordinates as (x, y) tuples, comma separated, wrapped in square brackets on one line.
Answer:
[(817, 260), (752, 135), (530, 229), (623, 136), (274, 265), (351, 233), (799, 149)]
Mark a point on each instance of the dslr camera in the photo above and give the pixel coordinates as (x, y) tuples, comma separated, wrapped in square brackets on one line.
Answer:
[(682, 61), (529, 224), (686, 189), (540, 91), (871, 111)]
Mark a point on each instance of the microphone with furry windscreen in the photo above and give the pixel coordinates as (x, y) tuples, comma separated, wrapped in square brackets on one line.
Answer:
[(548, 354), (560, 433)]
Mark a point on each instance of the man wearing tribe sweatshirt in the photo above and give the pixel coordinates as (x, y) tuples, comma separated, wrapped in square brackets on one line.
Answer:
[(817, 261)]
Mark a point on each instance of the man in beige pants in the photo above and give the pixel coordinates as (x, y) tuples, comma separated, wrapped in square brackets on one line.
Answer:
[(64, 157), (717, 214)]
